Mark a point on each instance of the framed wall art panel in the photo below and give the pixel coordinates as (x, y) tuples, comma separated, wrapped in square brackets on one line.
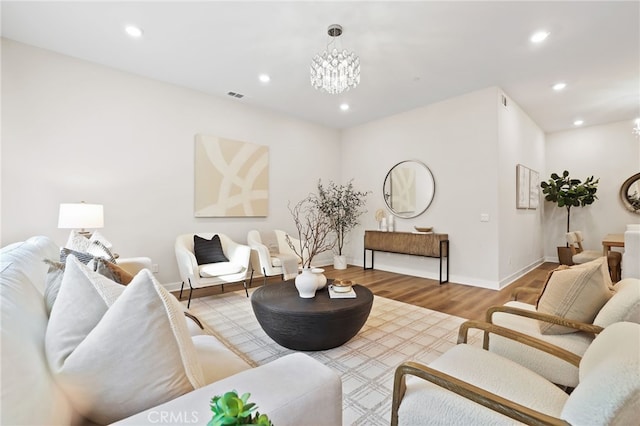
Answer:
[(231, 178)]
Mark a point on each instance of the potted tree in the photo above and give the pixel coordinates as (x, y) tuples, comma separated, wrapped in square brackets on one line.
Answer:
[(567, 192), (343, 206)]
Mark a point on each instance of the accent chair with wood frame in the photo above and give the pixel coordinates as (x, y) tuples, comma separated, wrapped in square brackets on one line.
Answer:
[(524, 318), (469, 385)]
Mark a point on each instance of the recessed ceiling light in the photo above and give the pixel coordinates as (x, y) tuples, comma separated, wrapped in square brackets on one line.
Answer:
[(264, 78), (133, 31), (344, 107), (539, 36), (559, 86), (578, 122)]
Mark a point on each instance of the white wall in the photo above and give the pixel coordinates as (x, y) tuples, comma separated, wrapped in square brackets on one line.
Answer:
[(74, 131), (520, 141), (609, 152), (456, 139)]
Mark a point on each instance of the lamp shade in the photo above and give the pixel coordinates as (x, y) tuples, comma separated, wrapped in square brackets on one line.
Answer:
[(80, 216)]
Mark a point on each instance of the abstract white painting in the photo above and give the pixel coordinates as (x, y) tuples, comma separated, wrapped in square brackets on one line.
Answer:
[(231, 178)]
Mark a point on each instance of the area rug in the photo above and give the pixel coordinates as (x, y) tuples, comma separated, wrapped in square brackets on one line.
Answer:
[(395, 332)]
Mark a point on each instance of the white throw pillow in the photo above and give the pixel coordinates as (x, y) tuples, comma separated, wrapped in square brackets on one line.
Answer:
[(115, 356), (77, 242), (623, 306)]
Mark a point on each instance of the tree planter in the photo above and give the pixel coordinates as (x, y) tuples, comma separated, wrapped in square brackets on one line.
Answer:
[(340, 262), (565, 256)]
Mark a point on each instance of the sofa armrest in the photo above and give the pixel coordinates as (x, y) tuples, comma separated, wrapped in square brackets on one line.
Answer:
[(292, 390)]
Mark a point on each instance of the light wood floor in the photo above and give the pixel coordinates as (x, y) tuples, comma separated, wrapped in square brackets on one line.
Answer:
[(454, 299)]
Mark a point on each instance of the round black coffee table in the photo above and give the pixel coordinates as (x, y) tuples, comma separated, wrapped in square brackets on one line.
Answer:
[(309, 324)]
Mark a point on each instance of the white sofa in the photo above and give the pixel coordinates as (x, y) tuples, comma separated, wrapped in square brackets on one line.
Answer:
[(295, 389)]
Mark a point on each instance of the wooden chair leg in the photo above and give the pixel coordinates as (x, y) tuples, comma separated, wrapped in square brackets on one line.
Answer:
[(251, 279), (245, 287)]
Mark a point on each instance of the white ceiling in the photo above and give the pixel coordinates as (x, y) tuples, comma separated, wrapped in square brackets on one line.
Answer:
[(412, 53)]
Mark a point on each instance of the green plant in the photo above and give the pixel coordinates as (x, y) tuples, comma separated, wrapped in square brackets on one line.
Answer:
[(343, 206), (230, 409), (567, 192)]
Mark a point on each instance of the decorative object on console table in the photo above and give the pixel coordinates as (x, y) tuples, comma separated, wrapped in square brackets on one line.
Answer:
[(379, 216), (567, 192), (80, 216), (417, 244)]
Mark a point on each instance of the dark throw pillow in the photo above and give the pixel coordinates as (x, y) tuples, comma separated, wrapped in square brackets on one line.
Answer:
[(208, 251)]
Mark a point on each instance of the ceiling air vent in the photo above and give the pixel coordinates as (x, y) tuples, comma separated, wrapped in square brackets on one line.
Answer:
[(235, 95)]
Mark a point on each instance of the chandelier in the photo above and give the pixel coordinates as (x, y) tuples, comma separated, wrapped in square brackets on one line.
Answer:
[(334, 70)]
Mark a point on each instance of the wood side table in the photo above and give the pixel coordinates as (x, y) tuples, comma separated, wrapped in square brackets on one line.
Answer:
[(612, 240), (310, 324)]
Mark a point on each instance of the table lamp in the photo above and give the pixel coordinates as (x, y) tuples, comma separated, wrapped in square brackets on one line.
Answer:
[(81, 216)]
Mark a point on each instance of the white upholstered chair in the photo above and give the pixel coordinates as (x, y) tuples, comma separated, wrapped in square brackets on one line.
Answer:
[(468, 385), (631, 255), (262, 259), (524, 318), (579, 254), (221, 273)]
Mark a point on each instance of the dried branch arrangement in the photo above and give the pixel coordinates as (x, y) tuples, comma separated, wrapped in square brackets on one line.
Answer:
[(314, 229)]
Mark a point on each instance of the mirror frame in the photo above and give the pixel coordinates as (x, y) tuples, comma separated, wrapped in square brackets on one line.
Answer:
[(624, 193), (417, 213)]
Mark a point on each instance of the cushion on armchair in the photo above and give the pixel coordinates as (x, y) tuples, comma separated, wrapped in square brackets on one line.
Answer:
[(219, 269), (577, 293), (208, 251)]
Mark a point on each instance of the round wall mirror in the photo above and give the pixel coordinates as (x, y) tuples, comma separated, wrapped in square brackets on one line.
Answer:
[(408, 189), (630, 193)]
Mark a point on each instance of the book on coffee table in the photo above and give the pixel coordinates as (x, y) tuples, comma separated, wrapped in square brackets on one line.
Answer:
[(341, 295)]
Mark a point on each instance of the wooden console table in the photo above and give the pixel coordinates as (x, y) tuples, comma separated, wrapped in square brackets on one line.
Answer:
[(416, 244)]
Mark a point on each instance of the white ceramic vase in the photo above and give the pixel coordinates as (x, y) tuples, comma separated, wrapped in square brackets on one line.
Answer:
[(321, 280), (340, 262), (307, 284)]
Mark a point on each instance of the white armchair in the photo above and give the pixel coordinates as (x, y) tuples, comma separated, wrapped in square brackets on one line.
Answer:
[(197, 276), (261, 257), (468, 385), (524, 318)]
